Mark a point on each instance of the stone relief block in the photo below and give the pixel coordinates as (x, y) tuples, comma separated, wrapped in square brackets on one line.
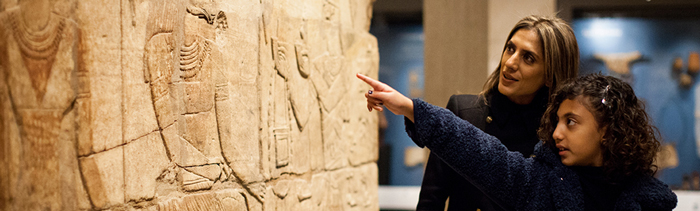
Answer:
[(238, 107), (361, 12), (186, 105), (308, 111), (362, 188), (280, 52), (364, 128), (270, 204), (37, 59), (354, 188), (331, 27), (39, 161), (72, 191), (281, 126), (233, 200), (308, 152), (320, 187), (139, 113), (8, 134), (328, 83), (303, 61), (200, 132), (37, 47), (239, 142), (144, 160), (292, 194), (191, 181), (315, 135), (158, 58), (84, 129), (364, 58), (106, 123), (194, 202), (335, 195), (266, 80), (179, 150), (6, 144), (282, 139), (334, 147), (99, 45), (302, 98), (104, 177)]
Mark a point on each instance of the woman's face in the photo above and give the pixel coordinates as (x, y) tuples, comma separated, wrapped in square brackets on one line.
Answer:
[(578, 135), (522, 67)]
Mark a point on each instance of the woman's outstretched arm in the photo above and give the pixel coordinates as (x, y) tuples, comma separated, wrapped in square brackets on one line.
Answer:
[(475, 155), (382, 94)]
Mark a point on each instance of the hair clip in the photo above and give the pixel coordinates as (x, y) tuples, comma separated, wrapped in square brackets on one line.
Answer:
[(605, 100)]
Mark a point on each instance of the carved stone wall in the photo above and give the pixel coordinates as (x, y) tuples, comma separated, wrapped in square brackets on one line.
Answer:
[(186, 105)]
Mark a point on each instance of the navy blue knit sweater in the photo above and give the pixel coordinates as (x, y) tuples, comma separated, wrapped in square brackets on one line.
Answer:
[(539, 183)]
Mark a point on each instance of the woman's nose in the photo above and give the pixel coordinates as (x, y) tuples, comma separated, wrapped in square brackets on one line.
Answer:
[(512, 62)]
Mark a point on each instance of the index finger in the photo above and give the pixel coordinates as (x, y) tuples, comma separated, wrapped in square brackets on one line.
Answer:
[(376, 85)]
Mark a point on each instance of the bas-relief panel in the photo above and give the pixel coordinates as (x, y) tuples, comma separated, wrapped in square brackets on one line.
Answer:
[(222, 105)]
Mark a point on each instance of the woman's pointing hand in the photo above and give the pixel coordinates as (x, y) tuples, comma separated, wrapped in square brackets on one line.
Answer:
[(383, 95)]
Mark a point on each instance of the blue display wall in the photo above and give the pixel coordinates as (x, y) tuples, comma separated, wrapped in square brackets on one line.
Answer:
[(401, 67), (673, 108)]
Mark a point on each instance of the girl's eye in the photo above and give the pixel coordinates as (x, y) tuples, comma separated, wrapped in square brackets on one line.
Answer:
[(570, 122)]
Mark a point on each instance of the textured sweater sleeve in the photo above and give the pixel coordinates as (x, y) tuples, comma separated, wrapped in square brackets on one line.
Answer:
[(474, 154), (440, 181)]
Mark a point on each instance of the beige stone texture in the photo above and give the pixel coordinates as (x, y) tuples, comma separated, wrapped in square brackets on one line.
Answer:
[(139, 114), (186, 105), (104, 177), (99, 45), (73, 195), (139, 176)]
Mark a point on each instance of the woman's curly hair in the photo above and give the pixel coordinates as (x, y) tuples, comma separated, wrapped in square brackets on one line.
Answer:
[(629, 144)]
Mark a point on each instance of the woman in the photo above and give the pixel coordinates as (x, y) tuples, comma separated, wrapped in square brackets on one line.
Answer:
[(538, 55)]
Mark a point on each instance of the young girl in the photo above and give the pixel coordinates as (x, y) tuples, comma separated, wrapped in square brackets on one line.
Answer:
[(596, 153)]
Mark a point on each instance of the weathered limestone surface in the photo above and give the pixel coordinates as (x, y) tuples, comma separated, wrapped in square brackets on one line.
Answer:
[(186, 105)]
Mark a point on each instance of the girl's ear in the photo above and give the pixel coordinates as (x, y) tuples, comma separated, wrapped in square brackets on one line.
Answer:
[(603, 131)]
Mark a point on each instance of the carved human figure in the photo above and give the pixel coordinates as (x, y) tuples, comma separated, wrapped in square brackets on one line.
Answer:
[(38, 62), (281, 127), (191, 101), (331, 87)]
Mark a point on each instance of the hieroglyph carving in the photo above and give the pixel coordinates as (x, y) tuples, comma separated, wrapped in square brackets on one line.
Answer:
[(41, 96), (190, 102), (294, 100), (281, 127)]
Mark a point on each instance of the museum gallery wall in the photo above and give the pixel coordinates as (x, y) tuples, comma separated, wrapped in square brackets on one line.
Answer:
[(659, 58), (186, 105)]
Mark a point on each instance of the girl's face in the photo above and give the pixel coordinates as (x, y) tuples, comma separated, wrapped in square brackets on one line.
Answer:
[(577, 135), (522, 67)]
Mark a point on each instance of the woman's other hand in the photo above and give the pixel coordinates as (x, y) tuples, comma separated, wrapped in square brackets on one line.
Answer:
[(383, 95)]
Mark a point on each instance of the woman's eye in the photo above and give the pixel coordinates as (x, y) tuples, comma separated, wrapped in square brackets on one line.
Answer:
[(510, 48), (570, 122), (529, 59)]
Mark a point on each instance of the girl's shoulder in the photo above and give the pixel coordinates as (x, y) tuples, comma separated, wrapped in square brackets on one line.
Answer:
[(649, 193)]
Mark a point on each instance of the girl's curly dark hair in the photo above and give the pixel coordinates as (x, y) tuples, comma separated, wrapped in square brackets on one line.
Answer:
[(629, 144)]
